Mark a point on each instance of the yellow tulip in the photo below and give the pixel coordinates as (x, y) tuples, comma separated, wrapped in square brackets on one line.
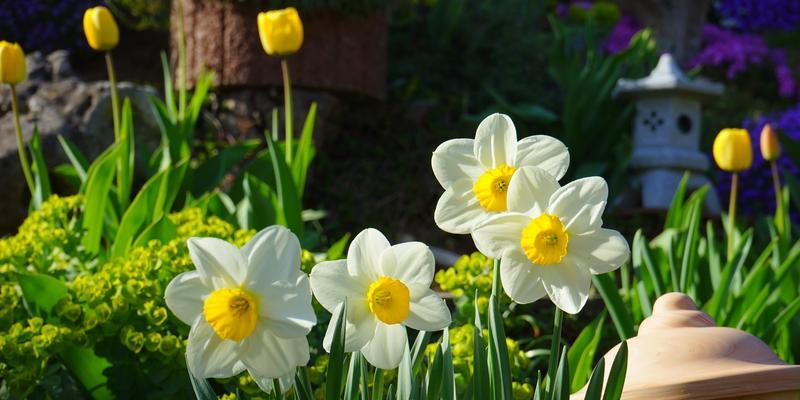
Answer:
[(281, 31), (732, 150), (12, 63), (770, 147), (100, 28)]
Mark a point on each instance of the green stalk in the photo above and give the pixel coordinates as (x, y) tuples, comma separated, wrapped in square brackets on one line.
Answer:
[(555, 343), (287, 97), (776, 182), (23, 155), (732, 213), (182, 71), (112, 78)]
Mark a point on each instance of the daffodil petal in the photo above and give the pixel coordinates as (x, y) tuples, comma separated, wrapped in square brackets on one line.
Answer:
[(220, 264), (286, 307), (520, 278), (458, 210), (428, 311), (331, 283), (360, 326), (273, 254), (454, 160), (530, 189), (601, 251), (410, 262), (385, 349), (496, 141), (268, 356), (185, 295), (500, 233), (364, 254), (545, 152), (580, 204), (208, 356), (266, 384), (567, 285)]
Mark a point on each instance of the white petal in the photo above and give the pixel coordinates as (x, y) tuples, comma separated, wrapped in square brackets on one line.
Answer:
[(601, 251), (428, 311), (529, 191), (209, 356), (364, 254), (580, 204), (185, 295), (359, 330), (410, 262), (458, 210), (332, 283), (268, 356), (521, 279), (496, 141), (286, 307), (220, 264), (500, 233), (266, 384), (454, 160), (273, 254), (567, 285), (545, 152), (385, 350)]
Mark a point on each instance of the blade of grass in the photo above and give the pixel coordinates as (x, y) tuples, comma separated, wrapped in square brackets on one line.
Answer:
[(333, 382)]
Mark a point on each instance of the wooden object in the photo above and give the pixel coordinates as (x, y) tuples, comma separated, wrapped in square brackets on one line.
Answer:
[(681, 354)]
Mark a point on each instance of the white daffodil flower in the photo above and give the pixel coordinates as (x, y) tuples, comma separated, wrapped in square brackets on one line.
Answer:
[(475, 173), (387, 289), (249, 308), (551, 241)]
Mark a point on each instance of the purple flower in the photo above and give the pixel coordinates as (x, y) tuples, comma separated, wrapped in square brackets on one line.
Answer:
[(45, 25), (754, 15), (620, 36)]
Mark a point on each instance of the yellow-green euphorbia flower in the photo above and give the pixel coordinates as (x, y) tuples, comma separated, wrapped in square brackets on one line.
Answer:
[(770, 147), (100, 28), (733, 151), (387, 289), (12, 63), (281, 31)]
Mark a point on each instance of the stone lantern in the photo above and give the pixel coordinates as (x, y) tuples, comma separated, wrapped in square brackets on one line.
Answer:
[(666, 132)]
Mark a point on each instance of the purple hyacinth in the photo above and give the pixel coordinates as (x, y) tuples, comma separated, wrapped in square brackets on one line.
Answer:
[(757, 195), (757, 15), (620, 36), (45, 25)]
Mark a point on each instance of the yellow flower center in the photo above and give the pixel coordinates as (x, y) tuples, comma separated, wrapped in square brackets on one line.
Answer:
[(232, 313), (545, 240), (389, 300), (491, 188)]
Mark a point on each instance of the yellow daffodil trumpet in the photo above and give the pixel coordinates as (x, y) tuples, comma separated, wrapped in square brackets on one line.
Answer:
[(733, 152), (12, 72), (281, 33)]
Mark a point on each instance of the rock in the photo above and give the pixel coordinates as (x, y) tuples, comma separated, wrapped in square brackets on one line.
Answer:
[(57, 102)]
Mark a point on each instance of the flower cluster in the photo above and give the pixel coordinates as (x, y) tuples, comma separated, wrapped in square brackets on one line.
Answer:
[(755, 15), (44, 25)]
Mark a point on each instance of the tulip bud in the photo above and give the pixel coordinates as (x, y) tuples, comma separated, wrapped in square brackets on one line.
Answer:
[(281, 31), (100, 28), (732, 150), (12, 63), (770, 147)]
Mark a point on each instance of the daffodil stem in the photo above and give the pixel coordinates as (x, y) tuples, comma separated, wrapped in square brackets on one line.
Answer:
[(776, 182), (112, 79), (496, 278), (23, 155), (287, 109), (182, 71), (732, 213), (555, 344)]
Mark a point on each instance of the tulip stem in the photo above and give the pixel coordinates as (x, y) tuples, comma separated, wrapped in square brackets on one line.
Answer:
[(776, 182), (732, 213), (287, 109), (23, 156), (112, 78), (555, 343)]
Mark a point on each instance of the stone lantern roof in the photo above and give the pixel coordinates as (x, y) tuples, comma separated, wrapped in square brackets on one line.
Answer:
[(668, 78)]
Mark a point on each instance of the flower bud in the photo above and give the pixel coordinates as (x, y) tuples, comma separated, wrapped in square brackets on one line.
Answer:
[(12, 63), (732, 150), (281, 31), (770, 147), (100, 28)]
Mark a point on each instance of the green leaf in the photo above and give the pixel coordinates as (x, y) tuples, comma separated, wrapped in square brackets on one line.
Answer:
[(435, 375), (126, 156), (303, 384), (377, 384), (405, 383), (448, 374), (41, 292), (594, 390), (353, 377), (616, 377), (88, 369), (305, 151), (257, 209), (337, 249), (202, 390), (210, 172), (561, 385), (96, 194), (333, 385), (498, 350), (581, 354), (418, 352), (480, 376), (642, 257), (714, 305), (675, 212), (162, 230), (41, 180), (616, 307), (75, 157), (285, 187)]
